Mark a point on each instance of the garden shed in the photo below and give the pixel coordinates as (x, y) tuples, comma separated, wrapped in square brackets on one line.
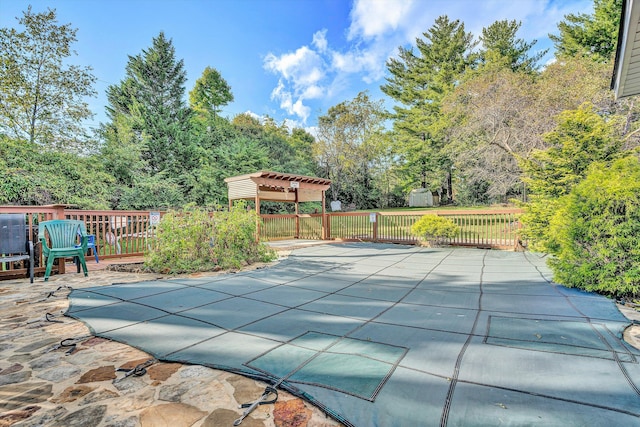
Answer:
[(278, 187), (421, 197)]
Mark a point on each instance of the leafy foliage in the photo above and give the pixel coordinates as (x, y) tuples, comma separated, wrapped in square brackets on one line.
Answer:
[(581, 138), (31, 176), (468, 123), (597, 231), (235, 242), (239, 156), (210, 92), (435, 229), (152, 192), (41, 97), (198, 240), (348, 145)]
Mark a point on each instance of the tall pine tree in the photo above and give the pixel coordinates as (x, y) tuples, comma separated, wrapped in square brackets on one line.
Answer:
[(499, 42), (419, 81), (593, 35), (152, 96)]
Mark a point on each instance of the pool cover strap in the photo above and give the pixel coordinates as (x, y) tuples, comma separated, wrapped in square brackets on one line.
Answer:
[(262, 400)]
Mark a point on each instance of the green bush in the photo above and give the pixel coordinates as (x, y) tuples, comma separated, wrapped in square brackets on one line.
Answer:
[(536, 218), (596, 231), (154, 192), (435, 229), (197, 240), (581, 137), (234, 241)]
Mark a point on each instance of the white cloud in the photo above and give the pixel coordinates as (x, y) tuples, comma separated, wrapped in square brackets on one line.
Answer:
[(312, 92), (304, 66), (287, 103), (289, 123), (320, 40), (322, 72), (313, 130), (373, 18), (254, 115), (300, 75), (370, 62)]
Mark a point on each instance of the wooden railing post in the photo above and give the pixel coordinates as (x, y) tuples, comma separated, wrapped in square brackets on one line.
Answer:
[(58, 211), (325, 222), (373, 217)]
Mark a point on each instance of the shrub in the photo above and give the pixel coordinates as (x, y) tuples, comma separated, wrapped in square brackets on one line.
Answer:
[(154, 192), (435, 229), (234, 241), (197, 240), (596, 231), (581, 137)]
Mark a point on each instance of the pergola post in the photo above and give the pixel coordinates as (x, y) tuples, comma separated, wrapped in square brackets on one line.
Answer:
[(324, 220), (257, 217), (297, 215)]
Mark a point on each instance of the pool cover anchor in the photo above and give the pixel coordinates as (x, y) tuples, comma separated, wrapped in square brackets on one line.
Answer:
[(262, 400), (138, 371)]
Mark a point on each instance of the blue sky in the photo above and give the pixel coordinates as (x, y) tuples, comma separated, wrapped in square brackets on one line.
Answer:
[(289, 59)]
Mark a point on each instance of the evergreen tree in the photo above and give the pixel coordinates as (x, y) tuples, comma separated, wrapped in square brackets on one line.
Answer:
[(596, 231), (418, 82), (581, 138), (499, 41), (152, 95), (590, 35)]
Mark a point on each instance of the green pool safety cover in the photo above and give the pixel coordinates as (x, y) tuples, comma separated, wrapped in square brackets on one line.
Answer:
[(392, 335)]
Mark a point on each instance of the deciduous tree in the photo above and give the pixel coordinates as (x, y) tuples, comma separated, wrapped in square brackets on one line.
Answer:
[(347, 146), (210, 93), (41, 95)]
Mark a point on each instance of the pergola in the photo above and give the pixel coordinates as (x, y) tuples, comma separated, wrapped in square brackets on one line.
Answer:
[(279, 187)]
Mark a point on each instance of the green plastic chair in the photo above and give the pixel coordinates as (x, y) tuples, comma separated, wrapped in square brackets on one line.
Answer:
[(59, 239)]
